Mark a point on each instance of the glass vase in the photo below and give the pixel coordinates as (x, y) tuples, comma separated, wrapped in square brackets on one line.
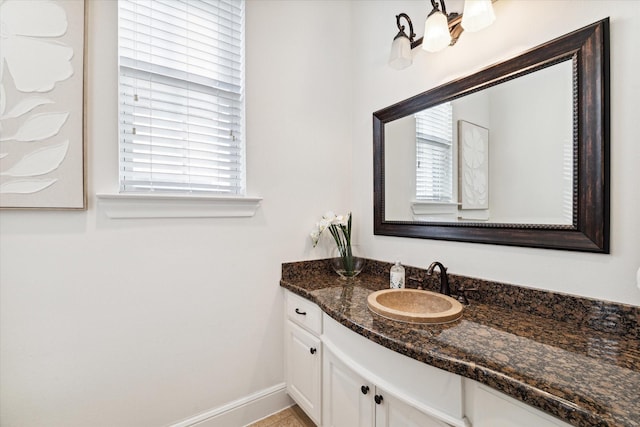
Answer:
[(349, 262)]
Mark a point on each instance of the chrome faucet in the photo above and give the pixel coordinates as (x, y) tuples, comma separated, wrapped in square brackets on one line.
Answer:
[(444, 282)]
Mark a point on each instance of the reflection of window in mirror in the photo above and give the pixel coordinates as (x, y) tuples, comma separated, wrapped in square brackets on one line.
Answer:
[(434, 154)]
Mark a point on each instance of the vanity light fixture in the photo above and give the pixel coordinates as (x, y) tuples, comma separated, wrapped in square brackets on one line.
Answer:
[(402, 44), (436, 28), (440, 29)]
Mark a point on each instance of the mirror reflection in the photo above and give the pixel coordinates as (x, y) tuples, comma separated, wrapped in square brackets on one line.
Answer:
[(504, 154)]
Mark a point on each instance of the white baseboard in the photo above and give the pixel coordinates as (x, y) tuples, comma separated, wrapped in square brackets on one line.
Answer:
[(244, 411)]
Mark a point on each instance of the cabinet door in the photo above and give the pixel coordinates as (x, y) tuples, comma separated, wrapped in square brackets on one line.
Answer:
[(303, 369), (493, 409), (347, 397), (393, 412)]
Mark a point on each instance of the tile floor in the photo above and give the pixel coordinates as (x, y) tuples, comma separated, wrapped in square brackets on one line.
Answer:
[(290, 417)]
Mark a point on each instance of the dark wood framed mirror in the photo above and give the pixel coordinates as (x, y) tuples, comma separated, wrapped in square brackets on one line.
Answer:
[(579, 151)]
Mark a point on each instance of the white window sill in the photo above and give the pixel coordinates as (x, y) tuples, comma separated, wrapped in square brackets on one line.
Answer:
[(127, 206), (434, 208), (434, 211)]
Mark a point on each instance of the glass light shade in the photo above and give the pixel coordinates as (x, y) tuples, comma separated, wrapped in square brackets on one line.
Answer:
[(436, 33), (400, 53), (477, 15)]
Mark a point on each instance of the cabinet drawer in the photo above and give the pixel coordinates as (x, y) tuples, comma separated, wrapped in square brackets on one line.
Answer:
[(304, 312)]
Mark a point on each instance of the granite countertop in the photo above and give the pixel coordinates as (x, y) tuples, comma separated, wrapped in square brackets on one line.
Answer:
[(575, 358)]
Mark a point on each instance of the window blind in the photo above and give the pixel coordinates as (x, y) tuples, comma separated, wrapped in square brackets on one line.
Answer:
[(181, 96), (434, 157)]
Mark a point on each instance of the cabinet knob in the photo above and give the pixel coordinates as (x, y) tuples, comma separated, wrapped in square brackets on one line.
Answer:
[(303, 313), (312, 350), (364, 389), (378, 399)]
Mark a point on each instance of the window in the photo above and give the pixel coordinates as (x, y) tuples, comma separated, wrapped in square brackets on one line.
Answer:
[(434, 154), (181, 96)]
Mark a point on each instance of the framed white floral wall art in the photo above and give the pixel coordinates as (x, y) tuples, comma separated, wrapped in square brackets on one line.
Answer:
[(473, 146), (41, 104)]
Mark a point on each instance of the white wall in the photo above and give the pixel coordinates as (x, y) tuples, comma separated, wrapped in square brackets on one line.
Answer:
[(520, 25), (93, 337), (531, 142), (89, 336), (400, 169)]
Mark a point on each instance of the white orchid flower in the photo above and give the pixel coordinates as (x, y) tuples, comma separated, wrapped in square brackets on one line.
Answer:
[(317, 231), (323, 224), (329, 216), (315, 236), (339, 227), (341, 220)]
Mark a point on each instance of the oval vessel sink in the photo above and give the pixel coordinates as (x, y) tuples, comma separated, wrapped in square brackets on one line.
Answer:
[(414, 306)]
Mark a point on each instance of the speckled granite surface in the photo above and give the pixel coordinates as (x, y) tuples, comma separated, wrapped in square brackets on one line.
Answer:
[(575, 358)]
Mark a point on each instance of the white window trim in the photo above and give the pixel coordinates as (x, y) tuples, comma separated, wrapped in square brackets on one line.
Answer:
[(147, 206), (141, 205)]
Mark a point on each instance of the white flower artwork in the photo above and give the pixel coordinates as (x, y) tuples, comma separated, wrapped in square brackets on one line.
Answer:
[(41, 104), (474, 165)]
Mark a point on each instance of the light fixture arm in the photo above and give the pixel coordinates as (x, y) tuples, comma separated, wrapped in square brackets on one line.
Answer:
[(401, 27), (434, 4)]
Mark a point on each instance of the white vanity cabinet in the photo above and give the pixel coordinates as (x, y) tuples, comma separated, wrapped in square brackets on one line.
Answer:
[(303, 354), (350, 400), (342, 379), (367, 385)]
